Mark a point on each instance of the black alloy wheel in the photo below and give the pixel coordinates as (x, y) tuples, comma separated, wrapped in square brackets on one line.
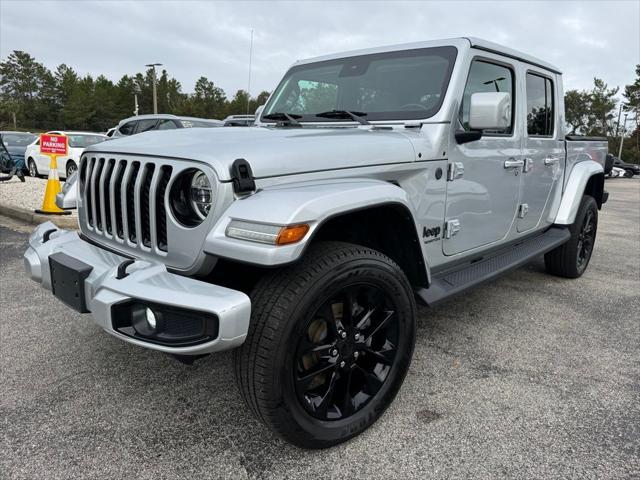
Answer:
[(345, 356), (570, 260), (330, 341), (586, 240)]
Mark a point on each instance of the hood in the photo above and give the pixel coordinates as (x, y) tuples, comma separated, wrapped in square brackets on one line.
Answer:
[(271, 151)]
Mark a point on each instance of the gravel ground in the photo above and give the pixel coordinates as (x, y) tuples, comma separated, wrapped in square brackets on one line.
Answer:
[(27, 195), (530, 376)]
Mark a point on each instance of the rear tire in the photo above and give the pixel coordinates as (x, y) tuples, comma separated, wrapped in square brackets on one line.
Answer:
[(33, 169), (314, 370), (628, 173), (570, 260)]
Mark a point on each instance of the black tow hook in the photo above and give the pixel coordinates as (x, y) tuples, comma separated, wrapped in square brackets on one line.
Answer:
[(188, 359), (122, 269)]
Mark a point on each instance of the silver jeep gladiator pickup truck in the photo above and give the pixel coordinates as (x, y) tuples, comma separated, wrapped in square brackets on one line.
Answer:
[(373, 181)]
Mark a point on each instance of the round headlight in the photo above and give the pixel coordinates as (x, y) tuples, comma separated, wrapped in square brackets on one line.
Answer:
[(191, 197), (201, 197)]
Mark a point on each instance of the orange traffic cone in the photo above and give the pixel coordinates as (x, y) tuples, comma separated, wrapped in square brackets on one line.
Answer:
[(49, 206)]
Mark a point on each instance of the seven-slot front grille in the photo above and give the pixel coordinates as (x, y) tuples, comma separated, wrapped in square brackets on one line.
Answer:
[(125, 200)]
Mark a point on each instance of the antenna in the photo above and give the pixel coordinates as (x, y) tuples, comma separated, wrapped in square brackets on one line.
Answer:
[(249, 85)]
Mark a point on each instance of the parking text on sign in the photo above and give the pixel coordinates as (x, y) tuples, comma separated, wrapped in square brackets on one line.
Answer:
[(53, 144)]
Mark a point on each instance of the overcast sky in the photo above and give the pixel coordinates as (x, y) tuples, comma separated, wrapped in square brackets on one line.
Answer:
[(211, 38)]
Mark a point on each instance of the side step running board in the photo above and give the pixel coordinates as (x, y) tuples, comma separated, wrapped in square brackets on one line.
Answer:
[(451, 283)]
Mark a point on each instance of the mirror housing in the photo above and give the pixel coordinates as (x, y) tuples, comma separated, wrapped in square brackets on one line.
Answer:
[(490, 111)]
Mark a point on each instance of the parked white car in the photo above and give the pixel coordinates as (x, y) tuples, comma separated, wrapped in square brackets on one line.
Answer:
[(162, 121), (38, 164)]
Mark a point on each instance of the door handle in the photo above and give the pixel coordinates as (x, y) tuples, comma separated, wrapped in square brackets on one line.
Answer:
[(551, 160), (513, 163)]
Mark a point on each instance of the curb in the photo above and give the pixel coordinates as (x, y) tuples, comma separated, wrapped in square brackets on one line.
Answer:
[(29, 217)]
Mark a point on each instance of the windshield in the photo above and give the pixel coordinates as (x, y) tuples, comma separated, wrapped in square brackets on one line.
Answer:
[(17, 139), (83, 141), (402, 85)]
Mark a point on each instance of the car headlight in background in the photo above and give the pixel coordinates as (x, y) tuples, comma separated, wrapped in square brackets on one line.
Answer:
[(192, 196), (266, 233)]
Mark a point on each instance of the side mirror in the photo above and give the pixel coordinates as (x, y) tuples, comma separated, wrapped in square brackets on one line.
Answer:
[(490, 111)]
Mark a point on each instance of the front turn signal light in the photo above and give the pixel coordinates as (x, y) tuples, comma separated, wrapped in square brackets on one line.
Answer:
[(292, 234), (266, 233)]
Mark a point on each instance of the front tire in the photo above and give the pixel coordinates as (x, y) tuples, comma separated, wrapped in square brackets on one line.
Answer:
[(71, 168), (570, 260), (329, 344), (33, 169)]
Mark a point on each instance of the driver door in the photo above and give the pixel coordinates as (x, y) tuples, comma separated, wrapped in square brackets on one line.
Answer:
[(484, 175)]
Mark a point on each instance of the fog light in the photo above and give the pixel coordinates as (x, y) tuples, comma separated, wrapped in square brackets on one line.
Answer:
[(144, 320), (151, 318), (164, 324)]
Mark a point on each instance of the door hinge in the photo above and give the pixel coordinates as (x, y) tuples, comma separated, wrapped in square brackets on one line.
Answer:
[(451, 227), (455, 170), (523, 209)]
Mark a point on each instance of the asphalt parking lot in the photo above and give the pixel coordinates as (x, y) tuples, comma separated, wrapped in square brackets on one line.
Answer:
[(530, 376)]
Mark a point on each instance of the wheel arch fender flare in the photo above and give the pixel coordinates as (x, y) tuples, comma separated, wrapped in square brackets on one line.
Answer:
[(586, 177), (313, 203)]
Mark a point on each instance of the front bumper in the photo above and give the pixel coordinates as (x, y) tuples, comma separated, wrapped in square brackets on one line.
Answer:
[(146, 281)]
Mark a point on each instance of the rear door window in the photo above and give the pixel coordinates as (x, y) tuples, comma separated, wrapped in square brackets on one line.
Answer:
[(146, 125), (166, 124), (128, 128), (539, 106)]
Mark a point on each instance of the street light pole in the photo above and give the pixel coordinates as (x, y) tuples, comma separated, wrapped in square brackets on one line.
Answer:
[(249, 84), (624, 127), (155, 94)]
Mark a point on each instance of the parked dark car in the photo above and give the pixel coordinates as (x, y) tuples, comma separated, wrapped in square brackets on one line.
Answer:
[(630, 169), (16, 143)]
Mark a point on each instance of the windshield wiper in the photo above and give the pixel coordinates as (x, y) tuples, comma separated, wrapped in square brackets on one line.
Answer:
[(284, 118), (345, 114)]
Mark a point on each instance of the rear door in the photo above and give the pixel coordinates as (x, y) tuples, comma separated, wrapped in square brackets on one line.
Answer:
[(484, 180), (543, 150)]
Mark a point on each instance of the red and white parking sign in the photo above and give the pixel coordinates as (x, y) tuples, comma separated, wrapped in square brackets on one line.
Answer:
[(53, 144)]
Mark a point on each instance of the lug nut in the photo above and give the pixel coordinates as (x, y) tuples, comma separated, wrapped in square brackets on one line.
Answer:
[(356, 354), (342, 364), (357, 336), (343, 334), (334, 352)]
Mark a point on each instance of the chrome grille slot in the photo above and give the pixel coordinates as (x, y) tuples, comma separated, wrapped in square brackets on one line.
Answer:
[(125, 200), (117, 196), (130, 204), (105, 197), (87, 192), (161, 214), (145, 204), (95, 193)]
